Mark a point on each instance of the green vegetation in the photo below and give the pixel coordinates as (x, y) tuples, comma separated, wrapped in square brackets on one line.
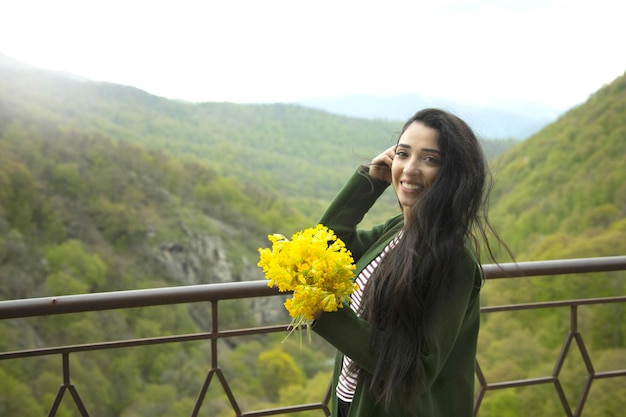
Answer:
[(106, 188), (566, 185), (561, 194)]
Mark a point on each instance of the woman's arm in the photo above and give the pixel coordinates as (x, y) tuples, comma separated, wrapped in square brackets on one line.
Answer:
[(348, 334), (349, 207)]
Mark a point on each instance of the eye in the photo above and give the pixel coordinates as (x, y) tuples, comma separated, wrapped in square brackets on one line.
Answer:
[(401, 153), (432, 159)]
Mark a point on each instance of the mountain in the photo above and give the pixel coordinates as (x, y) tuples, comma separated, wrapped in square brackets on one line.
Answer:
[(562, 192), (298, 155), (506, 120), (107, 188), (256, 143), (82, 213), (6, 62), (302, 154)]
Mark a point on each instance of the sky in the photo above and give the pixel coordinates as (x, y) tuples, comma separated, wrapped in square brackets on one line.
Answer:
[(552, 52)]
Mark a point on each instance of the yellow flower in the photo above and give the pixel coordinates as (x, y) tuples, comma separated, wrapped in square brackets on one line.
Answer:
[(315, 266)]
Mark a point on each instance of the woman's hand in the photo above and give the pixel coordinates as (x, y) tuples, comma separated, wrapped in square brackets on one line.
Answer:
[(381, 165)]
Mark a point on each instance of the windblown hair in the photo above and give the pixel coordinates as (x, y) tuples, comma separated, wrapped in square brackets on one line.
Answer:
[(413, 277)]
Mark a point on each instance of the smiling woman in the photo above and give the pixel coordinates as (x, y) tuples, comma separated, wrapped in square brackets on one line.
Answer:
[(407, 344), (416, 163)]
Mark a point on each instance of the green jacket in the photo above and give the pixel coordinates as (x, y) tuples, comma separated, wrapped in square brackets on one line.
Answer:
[(447, 387)]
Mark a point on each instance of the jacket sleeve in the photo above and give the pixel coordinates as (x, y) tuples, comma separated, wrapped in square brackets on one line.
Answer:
[(349, 207), (349, 334)]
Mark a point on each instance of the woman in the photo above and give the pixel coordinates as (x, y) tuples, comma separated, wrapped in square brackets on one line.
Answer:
[(407, 344)]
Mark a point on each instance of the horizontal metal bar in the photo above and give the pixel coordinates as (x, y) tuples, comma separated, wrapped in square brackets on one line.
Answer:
[(555, 267), (284, 410), (551, 304), (146, 341), (610, 374), (520, 383), (46, 306), (80, 303), (546, 380)]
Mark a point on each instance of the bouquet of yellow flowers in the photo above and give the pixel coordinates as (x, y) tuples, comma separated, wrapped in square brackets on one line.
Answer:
[(315, 265)]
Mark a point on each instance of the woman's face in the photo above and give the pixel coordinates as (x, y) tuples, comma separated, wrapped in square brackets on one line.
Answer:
[(416, 163)]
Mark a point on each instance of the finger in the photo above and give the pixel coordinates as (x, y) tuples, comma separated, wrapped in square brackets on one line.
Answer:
[(382, 161)]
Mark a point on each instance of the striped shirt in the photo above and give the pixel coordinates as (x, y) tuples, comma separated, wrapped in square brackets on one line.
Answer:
[(346, 385)]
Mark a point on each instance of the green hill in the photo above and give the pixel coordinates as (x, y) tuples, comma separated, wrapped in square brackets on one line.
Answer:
[(562, 192), (302, 154), (81, 212), (264, 144)]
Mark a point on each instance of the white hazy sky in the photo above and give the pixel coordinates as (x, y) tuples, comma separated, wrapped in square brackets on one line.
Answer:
[(554, 52)]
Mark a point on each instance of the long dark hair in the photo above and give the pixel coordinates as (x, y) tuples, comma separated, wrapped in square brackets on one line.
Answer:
[(414, 276)]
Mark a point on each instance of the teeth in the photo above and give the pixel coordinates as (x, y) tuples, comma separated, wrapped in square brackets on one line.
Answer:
[(411, 186)]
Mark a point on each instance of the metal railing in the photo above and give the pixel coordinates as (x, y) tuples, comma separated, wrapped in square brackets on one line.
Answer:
[(560, 267), (214, 293)]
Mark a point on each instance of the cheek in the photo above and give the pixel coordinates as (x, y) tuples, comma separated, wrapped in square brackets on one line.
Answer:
[(396, 171), (433, 175)]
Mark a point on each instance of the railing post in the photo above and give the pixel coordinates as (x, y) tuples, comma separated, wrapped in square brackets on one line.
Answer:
[(586, 359), (215, 369), (67, 385), (215, 330)]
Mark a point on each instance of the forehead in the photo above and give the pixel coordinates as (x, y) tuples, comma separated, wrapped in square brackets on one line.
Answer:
[(418, 135)]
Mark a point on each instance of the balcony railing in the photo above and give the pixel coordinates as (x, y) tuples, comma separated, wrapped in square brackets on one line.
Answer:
[(214, 293)]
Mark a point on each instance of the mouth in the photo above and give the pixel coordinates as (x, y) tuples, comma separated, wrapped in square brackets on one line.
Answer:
[(408, 186)]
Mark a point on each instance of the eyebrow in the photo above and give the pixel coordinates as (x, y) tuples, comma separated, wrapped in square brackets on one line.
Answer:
[(404, 145)]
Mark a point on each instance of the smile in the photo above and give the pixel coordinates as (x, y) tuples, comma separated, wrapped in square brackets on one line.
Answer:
[(411, 187)]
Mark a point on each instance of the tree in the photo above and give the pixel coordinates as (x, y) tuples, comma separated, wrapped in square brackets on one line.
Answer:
[(277, 369), (16, 399), (70, 262)]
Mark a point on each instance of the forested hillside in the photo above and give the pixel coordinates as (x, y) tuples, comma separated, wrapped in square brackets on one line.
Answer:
[(561, 194), (302, 154), (80, 213), (105, 187), (267, 145)]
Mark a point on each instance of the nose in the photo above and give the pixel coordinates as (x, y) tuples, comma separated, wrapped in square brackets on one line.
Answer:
[(412, 166)]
